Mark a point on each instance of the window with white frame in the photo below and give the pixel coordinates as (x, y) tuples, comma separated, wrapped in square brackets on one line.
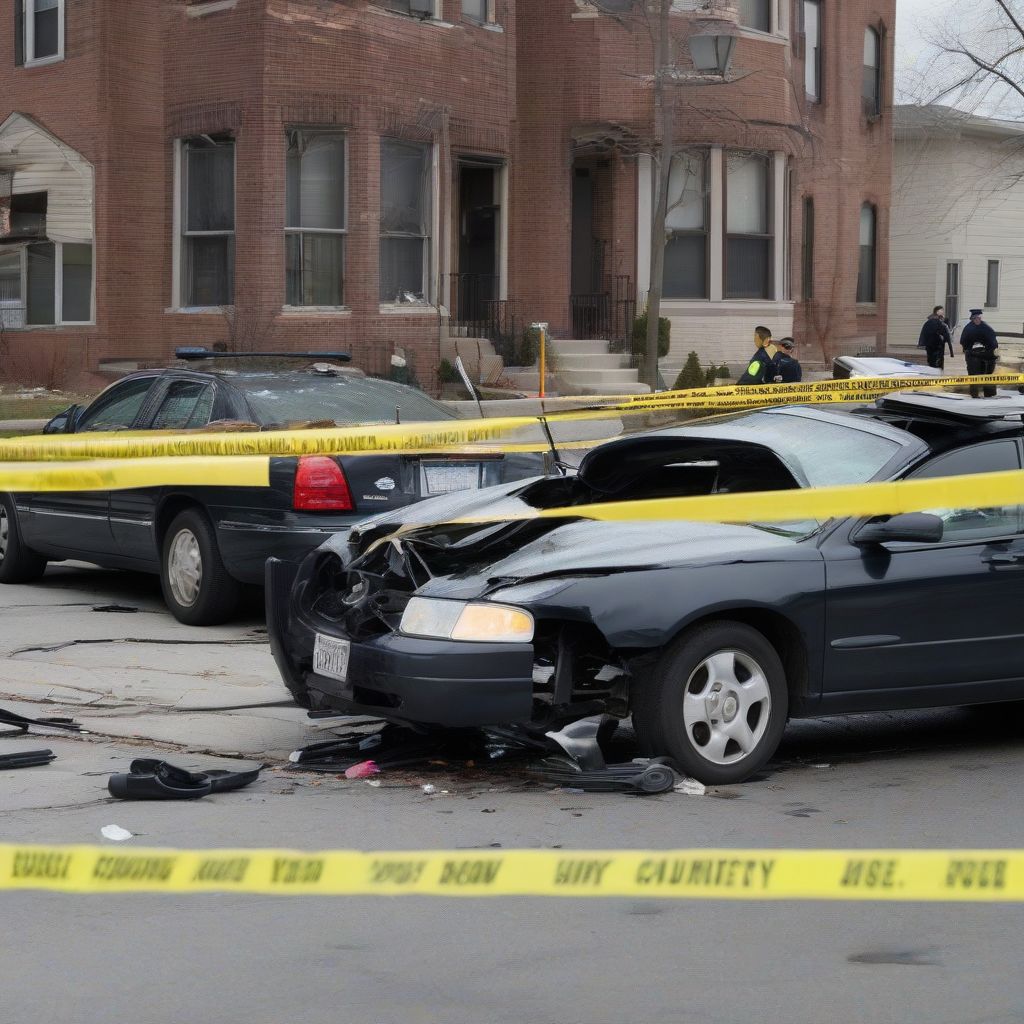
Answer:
[(749, 239), (812, 50), (756, 14), (405, 221), (315, 219), (992, 285), (207, 190), (868, 266), (45, 284), (686, 247), (40, 29)]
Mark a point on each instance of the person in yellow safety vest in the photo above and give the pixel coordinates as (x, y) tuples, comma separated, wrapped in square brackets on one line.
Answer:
[(761, 368)]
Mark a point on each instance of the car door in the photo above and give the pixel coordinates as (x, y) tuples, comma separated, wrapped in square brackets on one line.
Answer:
[(176, 404), (918, 624), (77, 523)]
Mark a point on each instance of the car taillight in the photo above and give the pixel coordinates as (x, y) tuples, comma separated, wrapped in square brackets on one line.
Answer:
[(320, 486)]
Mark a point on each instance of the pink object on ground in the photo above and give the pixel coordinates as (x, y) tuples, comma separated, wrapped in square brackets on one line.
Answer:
[(363, 770)]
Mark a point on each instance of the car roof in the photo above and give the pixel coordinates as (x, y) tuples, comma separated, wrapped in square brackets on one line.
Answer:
[(887, 366)]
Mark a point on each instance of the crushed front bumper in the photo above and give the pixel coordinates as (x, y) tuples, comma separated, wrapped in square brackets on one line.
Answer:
[(402, 679)]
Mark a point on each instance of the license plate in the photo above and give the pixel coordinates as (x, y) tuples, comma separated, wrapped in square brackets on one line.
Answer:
[(444, 477), (330, 657)]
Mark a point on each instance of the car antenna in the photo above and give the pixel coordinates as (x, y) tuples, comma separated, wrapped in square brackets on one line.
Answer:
[(470, 386), (551, 441)]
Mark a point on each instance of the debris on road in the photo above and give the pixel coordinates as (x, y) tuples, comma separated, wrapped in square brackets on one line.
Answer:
[(150, 779), (115, 833), (362, 770), (21, 724), (690, 787), (26, 759)]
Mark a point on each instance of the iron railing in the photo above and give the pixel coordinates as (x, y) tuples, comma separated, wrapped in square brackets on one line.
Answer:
[(476, 312), (608, 314)]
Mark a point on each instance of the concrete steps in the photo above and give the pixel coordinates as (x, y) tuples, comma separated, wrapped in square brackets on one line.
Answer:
[(588, 367)]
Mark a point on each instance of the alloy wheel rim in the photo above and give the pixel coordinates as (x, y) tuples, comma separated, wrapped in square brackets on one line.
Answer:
[(185, 568), (5, 533), (726, 706)]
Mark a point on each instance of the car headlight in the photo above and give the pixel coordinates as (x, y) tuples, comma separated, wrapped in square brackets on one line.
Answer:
[(459, 620)]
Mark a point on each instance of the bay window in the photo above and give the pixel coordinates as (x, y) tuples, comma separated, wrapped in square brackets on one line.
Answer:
[(315, 219), (756, 14), (207, 189)]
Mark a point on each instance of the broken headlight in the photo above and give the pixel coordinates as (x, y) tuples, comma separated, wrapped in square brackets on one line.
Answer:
[(459, 620)]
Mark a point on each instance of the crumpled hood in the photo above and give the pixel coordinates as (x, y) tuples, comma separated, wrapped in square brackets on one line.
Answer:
[(592, 547)]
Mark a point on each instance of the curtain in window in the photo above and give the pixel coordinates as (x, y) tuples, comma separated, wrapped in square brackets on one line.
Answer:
[(404, 219), (866, 270), (46, 29), (76, 290), (756, 14), (872, 89), (316, 182), (686, 275), (748, 247), (211, 188)]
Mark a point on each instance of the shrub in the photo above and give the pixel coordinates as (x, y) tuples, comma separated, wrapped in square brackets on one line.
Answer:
[(640, 335), (724, 373), (691, 375), (447, 373)]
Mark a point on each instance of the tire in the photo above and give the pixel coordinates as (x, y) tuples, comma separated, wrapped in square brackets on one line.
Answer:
[(717, 703), (18, 563), (197, 588)]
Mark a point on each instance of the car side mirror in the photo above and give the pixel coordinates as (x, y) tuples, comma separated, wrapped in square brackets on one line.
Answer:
[(917, 527), (64, 422)]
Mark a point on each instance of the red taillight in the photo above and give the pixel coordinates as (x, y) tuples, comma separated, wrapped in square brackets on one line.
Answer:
[(320, 486)]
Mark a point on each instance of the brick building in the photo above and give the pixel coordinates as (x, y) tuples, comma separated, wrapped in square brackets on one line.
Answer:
[(325, 174)]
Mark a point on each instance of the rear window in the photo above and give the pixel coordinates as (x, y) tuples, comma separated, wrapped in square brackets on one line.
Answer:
[(297, 398)]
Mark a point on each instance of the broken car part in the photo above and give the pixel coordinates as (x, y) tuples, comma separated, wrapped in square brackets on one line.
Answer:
[(158, 780), (26, 759), (20, 723)]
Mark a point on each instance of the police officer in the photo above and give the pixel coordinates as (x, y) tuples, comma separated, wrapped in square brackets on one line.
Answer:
[(979, 343), (761, 368), (935, 338), (787, 367)]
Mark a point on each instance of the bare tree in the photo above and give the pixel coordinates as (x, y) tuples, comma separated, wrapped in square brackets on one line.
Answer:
[(975, 59), (667, 37)]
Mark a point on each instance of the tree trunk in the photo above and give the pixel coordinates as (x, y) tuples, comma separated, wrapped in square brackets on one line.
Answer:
[(664, 148)]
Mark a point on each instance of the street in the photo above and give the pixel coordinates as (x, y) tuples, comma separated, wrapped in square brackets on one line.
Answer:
[(943, 779)]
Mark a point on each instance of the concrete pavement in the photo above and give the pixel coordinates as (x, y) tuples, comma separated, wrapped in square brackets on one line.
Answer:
[(145, 685)]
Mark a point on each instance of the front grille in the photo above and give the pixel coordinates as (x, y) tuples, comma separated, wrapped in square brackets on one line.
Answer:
[(364, 604)]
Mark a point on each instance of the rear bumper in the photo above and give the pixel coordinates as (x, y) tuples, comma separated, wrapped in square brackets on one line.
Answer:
[(399, 678), (247, 542)]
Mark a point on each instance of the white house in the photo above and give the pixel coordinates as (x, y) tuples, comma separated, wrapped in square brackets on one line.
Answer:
[(957, 231)]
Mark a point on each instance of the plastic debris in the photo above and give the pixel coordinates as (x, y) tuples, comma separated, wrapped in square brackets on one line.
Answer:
[(26, 759), (363, 770), (373, 782), (430, 789), (115, 833), (690, 787)]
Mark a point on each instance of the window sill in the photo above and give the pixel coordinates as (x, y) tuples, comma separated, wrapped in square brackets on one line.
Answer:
[(296, 311), (189, 310), (213, 7), (49, 327), (762, 37), (867, 309), (407, 309), (43, 62), (436, 22)]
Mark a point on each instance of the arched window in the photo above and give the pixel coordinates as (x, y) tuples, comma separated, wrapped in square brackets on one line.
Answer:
[(867, 272), (872, 88)]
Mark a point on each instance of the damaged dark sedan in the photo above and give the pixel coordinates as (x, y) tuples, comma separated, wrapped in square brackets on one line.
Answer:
[(711, 636)]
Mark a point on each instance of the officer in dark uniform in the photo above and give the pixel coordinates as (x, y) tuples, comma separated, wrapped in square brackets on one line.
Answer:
[(761, 368), (979, 343), (935, 338), (787, 367)]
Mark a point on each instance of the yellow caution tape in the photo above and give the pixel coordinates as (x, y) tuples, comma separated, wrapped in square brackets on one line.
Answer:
[(122, 474), (963, 876), (415, 437), (982, 490)]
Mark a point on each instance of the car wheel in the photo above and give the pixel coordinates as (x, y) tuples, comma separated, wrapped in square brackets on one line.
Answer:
[(18, 563), (717, 703), (196, 586)]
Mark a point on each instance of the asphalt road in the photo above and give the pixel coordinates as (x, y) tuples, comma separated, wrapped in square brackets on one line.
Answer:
[(930, 780)]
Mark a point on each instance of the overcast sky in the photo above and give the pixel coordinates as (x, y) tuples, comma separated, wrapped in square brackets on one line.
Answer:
[(909, 15)]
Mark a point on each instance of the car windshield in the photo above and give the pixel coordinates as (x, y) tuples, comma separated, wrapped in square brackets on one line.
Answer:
[(302, 398)]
